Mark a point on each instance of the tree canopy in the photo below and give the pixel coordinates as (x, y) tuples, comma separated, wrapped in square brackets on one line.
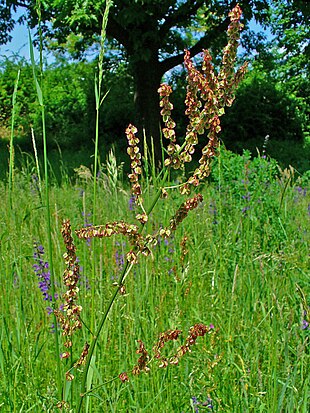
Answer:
[(152, 34)]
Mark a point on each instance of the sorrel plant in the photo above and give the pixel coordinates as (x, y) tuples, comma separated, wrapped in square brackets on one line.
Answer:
[(207, 95)]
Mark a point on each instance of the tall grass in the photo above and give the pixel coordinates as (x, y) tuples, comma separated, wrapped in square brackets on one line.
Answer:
[(11, 161), (233, 275), (40, 97), (257, 359)]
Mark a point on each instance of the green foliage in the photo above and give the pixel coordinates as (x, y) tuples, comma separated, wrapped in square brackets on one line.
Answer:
[(245, 272), (69, 103), (285, 59), (153, 35), (262, 108), (24, 106)]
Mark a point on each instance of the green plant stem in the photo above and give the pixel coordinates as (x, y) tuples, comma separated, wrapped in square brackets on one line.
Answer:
[(99, 101), (124, 274), (11, 164), (159, 192), (47, 215), (126, 270), (50, 255)]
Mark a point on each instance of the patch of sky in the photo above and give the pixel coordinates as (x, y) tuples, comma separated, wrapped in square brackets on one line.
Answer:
[(18, 47)]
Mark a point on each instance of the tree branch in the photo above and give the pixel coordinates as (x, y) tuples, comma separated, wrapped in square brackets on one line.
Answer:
[(204, 43), (184, 12), (114, 29)]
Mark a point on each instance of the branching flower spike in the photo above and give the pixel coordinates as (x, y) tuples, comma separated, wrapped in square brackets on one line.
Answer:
[(135, 157), (206, 97), (69, 319)]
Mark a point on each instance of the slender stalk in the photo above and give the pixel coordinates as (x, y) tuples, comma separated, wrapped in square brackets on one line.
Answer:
[(125, 272), (50, 249), (11, 165), (92, 347), (99, 100), (47, 214), (37, 163)]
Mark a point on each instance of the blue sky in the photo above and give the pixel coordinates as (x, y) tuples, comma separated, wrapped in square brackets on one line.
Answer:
[(20, 45)]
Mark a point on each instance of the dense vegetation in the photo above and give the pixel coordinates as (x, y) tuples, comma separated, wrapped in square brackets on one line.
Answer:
[(245, 270), (277, 85), (182, 288)]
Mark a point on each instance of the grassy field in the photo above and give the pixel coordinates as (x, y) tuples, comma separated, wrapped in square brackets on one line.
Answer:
[(239, 264), (185, 303)]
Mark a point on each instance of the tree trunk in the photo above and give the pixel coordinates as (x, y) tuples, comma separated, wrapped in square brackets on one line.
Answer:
[(147, 76)]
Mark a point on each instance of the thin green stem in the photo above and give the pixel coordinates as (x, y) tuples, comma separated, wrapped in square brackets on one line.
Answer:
[(99, 101), (159, 192), (96, 337), (47, 212), (125, 272), (11, 165), (50, 253)]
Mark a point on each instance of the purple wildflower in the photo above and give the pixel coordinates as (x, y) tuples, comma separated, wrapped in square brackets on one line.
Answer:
[(132, 203), (119, 255), (305, 325), (245, 209), (169, 247), (195, 404), (247, 196), (301, 191), (41, 268), (119, 259), (35, 184), (81, 192), (208, 403), (49, 310), (213, 211), (87, 223)]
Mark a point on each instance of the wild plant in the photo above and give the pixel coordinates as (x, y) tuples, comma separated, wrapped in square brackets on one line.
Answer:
[(208, 93)]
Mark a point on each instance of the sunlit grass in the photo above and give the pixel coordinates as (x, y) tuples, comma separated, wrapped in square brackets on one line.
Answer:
[(244, 273)]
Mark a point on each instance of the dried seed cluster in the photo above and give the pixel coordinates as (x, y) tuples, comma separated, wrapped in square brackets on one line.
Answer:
[(140, 244), (82, 359), (135, 157), (109, 229), (184, 209), (169, 335), (69, 317), (184, 249), (207, 95), (142, 360), (198, 330)]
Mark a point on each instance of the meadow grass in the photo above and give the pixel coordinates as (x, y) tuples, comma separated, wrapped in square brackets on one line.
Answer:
[(202, 305), (246, 272)]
